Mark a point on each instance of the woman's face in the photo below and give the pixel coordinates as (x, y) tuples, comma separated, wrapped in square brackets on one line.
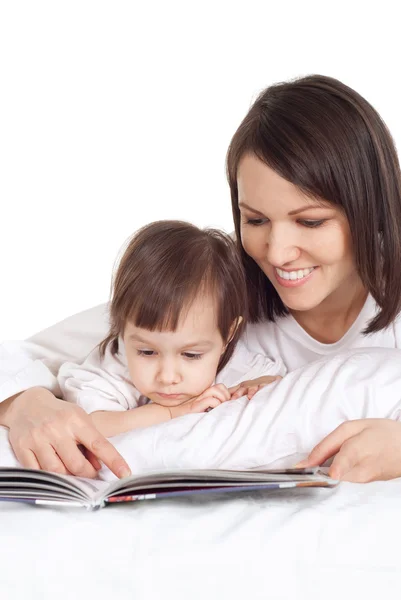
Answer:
[(301, 244)]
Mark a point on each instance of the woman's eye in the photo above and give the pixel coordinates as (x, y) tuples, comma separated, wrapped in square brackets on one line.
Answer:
[(192, 355), (310, 223), (146, 352), (256, 222)]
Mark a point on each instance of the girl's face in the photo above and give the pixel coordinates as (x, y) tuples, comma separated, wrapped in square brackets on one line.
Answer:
[(170, 367), (302, 245)]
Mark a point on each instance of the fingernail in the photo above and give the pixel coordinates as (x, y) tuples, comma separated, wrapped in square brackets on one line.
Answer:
[(335, 474), (301, 465), (124, 472)]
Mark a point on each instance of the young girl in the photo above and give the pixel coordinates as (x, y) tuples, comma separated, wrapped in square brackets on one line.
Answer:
[(177, 311)]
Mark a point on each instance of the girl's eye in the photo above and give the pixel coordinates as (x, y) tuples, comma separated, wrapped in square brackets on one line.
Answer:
[(256, 222), (146, 352), (192, 355), (311, 224)]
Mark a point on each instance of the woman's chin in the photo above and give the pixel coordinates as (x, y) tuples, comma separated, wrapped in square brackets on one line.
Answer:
[(300, 304)]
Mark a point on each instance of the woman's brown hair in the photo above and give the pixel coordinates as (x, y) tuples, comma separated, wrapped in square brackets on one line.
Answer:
[(323, 137), (163, 269)]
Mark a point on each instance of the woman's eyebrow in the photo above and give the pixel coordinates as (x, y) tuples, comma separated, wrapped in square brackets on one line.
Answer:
[(244, 205), (306, 207), (292, 212)]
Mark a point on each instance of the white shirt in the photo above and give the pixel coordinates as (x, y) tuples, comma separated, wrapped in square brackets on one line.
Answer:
[(104, 383), (35, 362), (286, 339)]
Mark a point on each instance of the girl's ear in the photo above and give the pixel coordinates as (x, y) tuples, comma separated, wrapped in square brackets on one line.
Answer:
[(233, 329)]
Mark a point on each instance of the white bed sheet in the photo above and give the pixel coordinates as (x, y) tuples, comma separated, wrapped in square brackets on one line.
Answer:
[(312, 544)]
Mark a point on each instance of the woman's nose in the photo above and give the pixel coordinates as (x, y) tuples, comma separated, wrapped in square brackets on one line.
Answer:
[(281, 249)]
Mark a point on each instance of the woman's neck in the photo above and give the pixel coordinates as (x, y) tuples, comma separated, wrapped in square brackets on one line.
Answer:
[(330, 321)]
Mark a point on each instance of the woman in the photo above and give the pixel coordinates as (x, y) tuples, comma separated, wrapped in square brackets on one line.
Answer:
[(316, 194), (316, 198)]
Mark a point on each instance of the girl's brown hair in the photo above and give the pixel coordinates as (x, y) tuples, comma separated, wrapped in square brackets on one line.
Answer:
[(323, 137), (165, 266)]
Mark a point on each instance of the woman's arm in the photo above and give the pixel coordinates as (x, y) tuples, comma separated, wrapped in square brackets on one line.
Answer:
[(39, 422), (363, 449), (35, 362), (45, 433)]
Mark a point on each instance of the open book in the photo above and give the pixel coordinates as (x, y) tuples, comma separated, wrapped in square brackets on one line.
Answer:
[(41, 487)]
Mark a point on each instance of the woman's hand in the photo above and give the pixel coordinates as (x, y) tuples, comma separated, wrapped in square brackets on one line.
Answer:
[(365, 450), (45, 433), (250, 387)]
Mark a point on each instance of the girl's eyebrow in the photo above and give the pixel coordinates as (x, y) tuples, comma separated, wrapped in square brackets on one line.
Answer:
[(134, 337), (202, 343)]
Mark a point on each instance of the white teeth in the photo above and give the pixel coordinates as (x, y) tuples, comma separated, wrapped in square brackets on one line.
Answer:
[(293, 275)]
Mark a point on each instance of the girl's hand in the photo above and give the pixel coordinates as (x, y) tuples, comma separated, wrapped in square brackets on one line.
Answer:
[(250, 387), (45, 433), (210, 398), (365, 450)]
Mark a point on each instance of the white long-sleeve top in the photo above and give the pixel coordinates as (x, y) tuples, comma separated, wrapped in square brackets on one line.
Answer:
[(103, 382), (35, 362)]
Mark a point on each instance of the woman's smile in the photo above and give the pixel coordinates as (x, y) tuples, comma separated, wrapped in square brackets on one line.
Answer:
[(293, 277)]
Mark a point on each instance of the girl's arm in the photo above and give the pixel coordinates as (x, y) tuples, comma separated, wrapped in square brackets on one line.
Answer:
[(247, 365), (99, 383), (111, 423), (247, 372)]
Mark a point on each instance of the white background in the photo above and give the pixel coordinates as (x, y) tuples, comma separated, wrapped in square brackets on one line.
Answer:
[(114, 114)]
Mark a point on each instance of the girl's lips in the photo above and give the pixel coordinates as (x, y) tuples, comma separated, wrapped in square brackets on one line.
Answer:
[(170, 396), (291, 283)]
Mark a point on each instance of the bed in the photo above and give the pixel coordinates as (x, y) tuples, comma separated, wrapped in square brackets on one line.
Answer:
[(310, 543), (306, 544)]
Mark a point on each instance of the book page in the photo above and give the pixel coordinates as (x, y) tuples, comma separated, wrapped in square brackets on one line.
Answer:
[(34, 483), (204, 478)]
